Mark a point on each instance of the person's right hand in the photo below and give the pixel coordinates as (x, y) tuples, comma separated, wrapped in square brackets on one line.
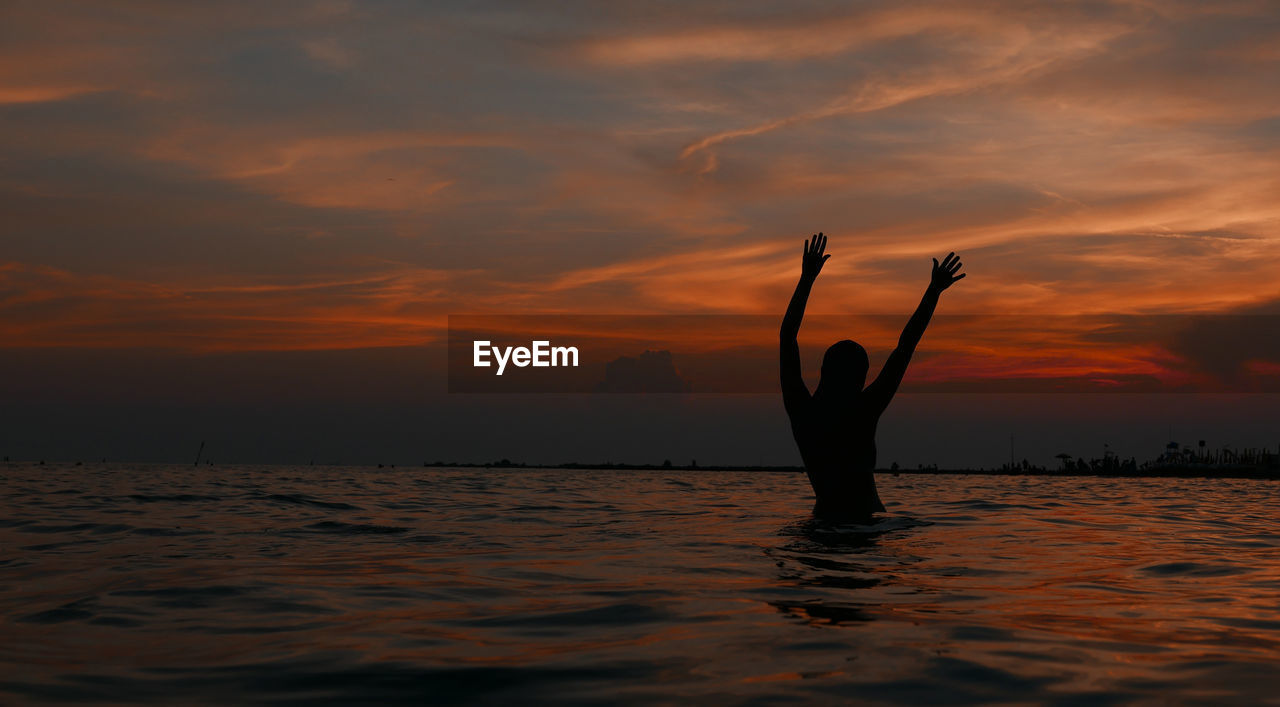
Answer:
[(814, 258), (944, 275)]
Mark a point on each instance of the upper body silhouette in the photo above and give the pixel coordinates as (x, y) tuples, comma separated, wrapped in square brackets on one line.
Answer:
[(835, 427)]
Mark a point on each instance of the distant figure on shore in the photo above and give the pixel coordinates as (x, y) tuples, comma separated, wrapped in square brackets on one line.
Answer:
[(835, 427)]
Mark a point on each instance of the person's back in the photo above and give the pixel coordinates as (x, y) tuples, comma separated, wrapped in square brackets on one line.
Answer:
[(838, 447), (835, 427)]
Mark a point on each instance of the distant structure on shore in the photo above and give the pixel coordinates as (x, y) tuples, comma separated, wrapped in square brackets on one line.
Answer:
[(1176, 460)]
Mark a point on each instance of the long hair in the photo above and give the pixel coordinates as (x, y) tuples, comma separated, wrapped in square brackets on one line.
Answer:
[(844, 369)]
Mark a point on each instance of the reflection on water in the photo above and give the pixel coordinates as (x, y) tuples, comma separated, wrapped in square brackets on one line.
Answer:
[(825, 553), (276, 584)]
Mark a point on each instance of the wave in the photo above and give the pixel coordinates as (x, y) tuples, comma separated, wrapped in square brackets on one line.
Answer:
[(339, 528), (301, 500)]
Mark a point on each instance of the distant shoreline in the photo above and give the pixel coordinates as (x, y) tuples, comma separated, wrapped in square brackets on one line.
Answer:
[(1156, 472), (1183, 472)]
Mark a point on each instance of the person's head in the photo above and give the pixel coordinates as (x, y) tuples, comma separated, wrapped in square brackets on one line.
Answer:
[(844, 367)]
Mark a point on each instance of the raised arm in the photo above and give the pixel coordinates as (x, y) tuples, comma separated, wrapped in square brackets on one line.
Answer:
[(944, 276), (793, 387)]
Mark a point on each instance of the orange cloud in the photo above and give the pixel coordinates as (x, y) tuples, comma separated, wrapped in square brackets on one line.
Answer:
[(41, 94), (395, 308)]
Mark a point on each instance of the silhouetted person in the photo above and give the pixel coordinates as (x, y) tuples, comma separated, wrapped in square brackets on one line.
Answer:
[(835, 428)]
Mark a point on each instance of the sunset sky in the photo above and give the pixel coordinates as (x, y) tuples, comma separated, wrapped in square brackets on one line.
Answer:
[(242, 179)]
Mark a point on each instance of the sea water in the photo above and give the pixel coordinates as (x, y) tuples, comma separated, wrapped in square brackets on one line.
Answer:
[(255, 584)]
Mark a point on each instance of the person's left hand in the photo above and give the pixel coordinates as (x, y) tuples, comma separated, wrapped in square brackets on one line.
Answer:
[(813, 260)]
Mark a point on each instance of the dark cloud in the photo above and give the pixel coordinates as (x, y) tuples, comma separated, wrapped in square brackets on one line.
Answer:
[(1241, 349), (650, 372)]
